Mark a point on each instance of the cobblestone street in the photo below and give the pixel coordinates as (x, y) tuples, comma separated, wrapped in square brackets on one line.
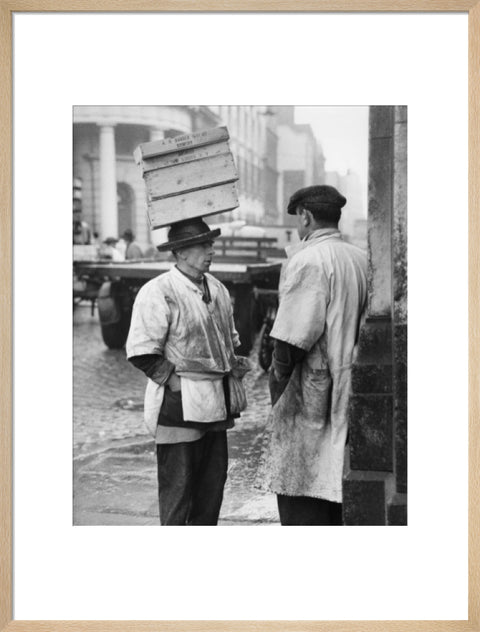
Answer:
[(114, 459)]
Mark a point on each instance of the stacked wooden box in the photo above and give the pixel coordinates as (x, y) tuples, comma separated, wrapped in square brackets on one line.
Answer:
[(192, 175)]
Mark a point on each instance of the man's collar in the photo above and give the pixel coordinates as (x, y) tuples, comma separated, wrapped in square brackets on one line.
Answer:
[(310, 239), (321, 232), (202, 287), (190, 277)]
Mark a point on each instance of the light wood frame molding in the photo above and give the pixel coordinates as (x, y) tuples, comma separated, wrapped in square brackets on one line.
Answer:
[(10, 7)]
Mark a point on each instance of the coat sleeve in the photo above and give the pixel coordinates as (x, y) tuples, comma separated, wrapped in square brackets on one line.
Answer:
[(150, 323), (156, 367), (285, 356), (301, 315)]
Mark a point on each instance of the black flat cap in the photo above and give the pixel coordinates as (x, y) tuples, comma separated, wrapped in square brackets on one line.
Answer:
[(319, 197)]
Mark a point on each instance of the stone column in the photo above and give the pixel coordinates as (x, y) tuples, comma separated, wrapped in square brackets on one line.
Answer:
[(108, 183), (374, 489), (397, 510), (380, 192)]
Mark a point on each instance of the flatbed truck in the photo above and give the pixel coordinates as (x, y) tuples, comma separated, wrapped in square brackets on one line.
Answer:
[(112, 286)]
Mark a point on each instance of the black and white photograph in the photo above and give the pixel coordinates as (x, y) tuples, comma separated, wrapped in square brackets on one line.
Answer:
[(239, 315), (264, 316)]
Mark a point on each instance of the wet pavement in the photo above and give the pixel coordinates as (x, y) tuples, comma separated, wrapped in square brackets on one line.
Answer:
[(114, 456)]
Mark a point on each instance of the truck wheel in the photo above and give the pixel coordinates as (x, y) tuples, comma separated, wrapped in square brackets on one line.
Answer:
[(114, 336), (265, 351), (114, 311)]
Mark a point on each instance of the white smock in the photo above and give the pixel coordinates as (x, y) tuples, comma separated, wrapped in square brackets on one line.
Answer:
[(171, 318), (323, 294)]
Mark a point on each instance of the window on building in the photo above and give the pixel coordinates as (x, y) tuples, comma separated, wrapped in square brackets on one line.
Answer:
[(292, 181), (250, 168)]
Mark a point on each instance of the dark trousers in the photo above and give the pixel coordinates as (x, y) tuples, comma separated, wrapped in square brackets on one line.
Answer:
[(191, 478), (303, 510)]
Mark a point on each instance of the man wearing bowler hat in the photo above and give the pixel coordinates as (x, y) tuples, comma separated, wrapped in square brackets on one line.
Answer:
[(322, 298), (182, 336)]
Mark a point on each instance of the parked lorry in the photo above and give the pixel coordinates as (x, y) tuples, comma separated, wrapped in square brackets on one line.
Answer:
[(244, 265)]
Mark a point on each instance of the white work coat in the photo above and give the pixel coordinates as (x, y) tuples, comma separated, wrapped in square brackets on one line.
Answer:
[(322, 298), (170, 318)]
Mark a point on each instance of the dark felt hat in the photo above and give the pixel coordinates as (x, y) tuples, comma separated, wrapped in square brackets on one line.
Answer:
[(188, 232), (322, 199)]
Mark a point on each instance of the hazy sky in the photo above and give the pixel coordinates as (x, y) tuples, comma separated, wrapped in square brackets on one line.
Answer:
[(343, 135)]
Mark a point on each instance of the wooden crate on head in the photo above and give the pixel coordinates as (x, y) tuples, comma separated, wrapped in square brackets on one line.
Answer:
[(188, 176)]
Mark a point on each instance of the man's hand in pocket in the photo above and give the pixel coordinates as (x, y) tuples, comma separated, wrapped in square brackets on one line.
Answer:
[(174, 383)]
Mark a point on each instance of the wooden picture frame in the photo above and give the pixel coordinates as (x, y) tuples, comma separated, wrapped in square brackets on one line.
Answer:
[(7, 9)]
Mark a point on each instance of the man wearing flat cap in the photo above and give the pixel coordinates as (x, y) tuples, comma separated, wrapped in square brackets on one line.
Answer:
[(322, 298), (182, 336)]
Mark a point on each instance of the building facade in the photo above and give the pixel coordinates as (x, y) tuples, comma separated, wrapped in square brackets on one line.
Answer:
[(274, 157), (300, 160), (353, 223), (104, 138)]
